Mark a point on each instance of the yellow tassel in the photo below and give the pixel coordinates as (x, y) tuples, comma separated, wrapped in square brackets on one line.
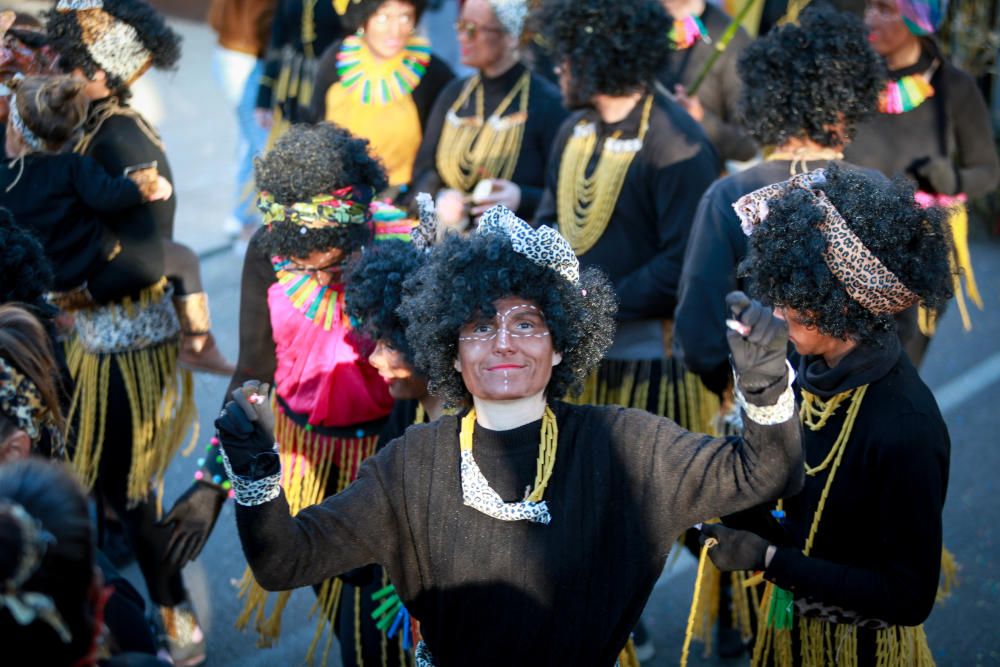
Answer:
[(627, 657), (745, 604), (958, 221), (949, 575), (695, 602)]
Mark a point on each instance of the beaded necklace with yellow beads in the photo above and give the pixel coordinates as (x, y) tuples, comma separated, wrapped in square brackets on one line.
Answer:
[(475, 147), (585, 203)]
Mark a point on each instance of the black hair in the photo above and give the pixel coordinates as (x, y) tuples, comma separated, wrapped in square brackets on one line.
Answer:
[(462, 279), (374, 291), (25, 272), (785, 265), (358, 12), (309, 160), (613, 47), (66, 37), (803, 80), (51, 495)]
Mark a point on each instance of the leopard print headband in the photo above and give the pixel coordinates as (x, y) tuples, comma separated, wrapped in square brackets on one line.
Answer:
[(22, 403), (113, 45), (543, 246), (865, 278)]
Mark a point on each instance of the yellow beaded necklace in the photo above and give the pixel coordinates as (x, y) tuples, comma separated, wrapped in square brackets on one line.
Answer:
[(475, 147), (585, 203), (546, 449)]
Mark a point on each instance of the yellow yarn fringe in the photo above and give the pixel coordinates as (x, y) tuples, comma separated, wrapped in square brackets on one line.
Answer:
[(308, 460), (822, 643), (682, 396), (700, 605), (961, 266), (161, 403), (949, 575), (628, 658)]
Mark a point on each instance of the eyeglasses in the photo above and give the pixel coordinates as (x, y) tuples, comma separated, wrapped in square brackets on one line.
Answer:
[(382, 21), (331, 270), (470, 29)]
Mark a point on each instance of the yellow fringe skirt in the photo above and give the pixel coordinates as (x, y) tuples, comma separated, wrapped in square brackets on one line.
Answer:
[(140, 339), (310, 464)]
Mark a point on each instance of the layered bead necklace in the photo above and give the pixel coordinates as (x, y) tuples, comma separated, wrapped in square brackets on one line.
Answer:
[(908, 92), (476, 491), (475, 147), (686, 31), (585, 203)]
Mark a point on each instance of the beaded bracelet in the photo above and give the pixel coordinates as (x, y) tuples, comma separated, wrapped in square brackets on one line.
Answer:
[(769, 415), (203, 474)]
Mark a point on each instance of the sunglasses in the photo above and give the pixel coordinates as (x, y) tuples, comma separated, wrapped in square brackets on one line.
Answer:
[(470, 28)]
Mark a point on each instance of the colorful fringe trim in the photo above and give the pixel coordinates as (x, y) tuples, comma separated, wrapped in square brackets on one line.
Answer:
[(309, 463), (905, 94), (660, 386), (160, 396), (685, 32), (322, 304), (376, 82)]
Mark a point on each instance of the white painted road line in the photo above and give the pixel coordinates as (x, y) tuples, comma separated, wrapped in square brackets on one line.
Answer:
[(968, 384)]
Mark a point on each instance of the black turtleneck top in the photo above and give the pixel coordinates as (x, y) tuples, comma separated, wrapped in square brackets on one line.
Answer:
[(545, 114), (877, 552), (719, 93), (490, 592), (953, 123), (642, 249)]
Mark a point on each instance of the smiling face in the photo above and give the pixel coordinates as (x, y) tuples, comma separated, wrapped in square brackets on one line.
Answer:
[(389, 27), (392, 367), (509, 356)]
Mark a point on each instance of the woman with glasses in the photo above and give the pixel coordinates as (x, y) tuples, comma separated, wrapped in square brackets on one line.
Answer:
[(316, 196), (933, 126), (381, 82), (489, 136)]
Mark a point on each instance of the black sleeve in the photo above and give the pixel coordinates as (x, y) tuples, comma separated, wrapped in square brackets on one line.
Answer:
[(547, 212), (256, 358), (425, 174), (912, 472), (326, 76), (719, 97), (434, 81), (676, 189), (978, 166), (549, 113), (101, 191), (694, 477), (709, 274), (353, 528), (272, 56)]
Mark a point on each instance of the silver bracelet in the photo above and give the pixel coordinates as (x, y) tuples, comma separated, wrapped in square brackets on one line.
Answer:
[(769, 415), (251, 492)]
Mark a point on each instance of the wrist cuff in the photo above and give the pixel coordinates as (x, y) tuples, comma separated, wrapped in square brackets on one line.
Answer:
[(768, 415), (251, 492)]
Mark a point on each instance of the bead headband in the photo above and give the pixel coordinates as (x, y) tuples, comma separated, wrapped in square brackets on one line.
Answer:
[(543, 246), (113, 44), (30, 138), (22, 403), (865, 278), (28, 606)]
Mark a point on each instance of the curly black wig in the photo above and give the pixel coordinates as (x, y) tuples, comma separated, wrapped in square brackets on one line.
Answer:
[(785, 265), (358, 12), (802, 81), (309, 160), (374, 290), (25, 272), (613, 47), (66, 37), (462, 279)]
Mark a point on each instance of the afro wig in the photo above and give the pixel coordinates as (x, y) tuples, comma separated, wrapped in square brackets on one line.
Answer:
[(786, 268), (359, 11), (375, 290), (309, 160), (66, 37), (613, 47), (25, 272), (463, 278), (803, 81)]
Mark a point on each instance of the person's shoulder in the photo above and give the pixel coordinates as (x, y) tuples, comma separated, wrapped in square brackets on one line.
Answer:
[(438, 67), (545, 89), (673, 134), (908, 416)]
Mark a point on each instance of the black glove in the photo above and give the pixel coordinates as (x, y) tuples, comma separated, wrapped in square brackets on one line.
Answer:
[(193, 516), (736, 550), (938, 173), (245, 433), (758, 357)]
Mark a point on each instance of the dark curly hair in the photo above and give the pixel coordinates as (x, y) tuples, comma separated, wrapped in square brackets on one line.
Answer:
[(66, 38), (613, 47), (309, 160), (785, 265), (359, 12), (462, 279), (374, 290), (801, 81), (25, 272)]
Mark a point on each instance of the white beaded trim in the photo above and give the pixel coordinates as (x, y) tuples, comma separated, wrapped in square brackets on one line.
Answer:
[(769, 415), (248, 492)]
